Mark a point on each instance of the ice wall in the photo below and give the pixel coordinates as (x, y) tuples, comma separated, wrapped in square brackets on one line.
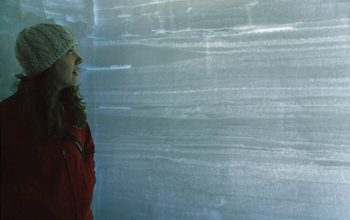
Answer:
[(214, 109)]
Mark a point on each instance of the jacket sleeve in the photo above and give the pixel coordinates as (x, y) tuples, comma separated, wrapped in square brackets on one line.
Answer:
[(10, 195)]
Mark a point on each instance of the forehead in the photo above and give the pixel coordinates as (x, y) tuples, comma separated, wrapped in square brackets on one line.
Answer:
[(71, 48)]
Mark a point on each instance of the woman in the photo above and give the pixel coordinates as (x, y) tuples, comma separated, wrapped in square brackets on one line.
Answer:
[(47, 152)]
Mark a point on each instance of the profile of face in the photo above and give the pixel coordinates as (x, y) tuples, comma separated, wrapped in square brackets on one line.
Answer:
[(65, 69)]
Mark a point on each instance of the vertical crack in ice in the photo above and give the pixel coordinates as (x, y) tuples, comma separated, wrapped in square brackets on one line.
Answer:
[(189, 9), (96, 23), (249, 11)]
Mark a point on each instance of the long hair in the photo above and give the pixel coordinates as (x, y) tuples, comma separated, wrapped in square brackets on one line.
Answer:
[(48, 108)]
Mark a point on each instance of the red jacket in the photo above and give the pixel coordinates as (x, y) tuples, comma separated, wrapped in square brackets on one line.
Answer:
[(37, 180)]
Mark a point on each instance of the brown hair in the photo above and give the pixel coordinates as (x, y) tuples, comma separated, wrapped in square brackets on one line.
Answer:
[(46, 108)]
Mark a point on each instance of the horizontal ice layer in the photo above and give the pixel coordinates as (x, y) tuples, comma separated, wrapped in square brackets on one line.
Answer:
[(219, 119), (211, 109), (149, 17)]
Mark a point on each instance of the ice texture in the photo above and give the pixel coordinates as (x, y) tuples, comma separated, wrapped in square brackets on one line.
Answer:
[(216, 110)]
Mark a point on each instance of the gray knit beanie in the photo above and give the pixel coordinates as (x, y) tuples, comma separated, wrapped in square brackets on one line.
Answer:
[(41, 45)]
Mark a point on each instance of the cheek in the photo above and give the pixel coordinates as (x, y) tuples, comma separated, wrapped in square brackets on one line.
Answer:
[(61, 73), (63, 68)]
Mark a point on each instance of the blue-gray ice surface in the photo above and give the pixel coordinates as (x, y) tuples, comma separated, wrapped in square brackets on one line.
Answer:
[(219, 110)]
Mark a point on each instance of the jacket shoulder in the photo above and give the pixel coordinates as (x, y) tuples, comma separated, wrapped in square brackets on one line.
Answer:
[(9, 102), (9, 108)]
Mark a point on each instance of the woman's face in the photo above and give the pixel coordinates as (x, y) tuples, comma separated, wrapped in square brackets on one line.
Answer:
[(64, 70)]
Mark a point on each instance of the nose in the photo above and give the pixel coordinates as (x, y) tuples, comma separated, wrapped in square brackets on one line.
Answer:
[(79, 60)]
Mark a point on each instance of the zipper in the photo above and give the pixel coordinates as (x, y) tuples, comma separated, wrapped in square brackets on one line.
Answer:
[(69, 182), (78, 144), (65, 157), (75, 142)]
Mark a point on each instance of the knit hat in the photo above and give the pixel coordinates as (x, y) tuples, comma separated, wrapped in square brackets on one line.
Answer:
[(41, 45)]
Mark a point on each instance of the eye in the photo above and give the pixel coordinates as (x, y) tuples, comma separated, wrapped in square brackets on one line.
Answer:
[(70, 52)]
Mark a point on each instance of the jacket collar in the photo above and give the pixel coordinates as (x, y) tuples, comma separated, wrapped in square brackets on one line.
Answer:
[(21, 89)]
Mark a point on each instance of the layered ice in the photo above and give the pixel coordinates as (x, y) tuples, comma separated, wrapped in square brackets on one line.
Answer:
[(217, 109)]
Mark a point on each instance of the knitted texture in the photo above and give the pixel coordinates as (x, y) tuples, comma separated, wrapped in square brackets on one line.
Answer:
[(41, 45)]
